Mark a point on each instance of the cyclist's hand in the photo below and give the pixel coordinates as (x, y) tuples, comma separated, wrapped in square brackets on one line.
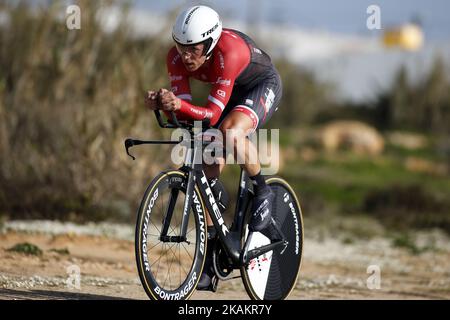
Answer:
[(169, 102), (151, 100)]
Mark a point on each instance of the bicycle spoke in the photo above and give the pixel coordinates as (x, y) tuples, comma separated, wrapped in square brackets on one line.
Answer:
[(173, 253), (156, 274), (168, 274), (148, 249), (171, 263), (156, 261), (159, 261), (168, 248), (155, 226), (153, 235), (172, 230), (179, 259), (160, 255), (189, 231), (187, 251)]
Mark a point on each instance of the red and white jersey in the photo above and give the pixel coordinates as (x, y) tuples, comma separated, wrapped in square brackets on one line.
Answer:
[(235, 62)]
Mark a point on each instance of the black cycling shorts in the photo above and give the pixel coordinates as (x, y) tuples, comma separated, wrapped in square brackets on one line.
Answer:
[(259, 102)]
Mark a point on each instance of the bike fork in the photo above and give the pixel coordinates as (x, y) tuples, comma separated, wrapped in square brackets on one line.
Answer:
[(190, 157), (169, 212)]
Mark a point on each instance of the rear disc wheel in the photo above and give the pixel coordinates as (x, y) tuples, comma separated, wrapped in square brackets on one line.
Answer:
[(273, 275)]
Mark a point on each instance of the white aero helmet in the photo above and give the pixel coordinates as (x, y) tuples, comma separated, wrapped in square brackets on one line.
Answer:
[(197, 25)]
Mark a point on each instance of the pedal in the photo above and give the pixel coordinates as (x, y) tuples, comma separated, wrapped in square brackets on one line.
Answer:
[(212, 286), (214, 283)]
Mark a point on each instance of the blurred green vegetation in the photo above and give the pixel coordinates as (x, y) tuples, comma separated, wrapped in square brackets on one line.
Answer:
[(68, 100), (26, 248), (380, 187)]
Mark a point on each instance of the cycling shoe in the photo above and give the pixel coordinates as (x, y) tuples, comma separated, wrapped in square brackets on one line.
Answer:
[(208, 279), (207, 282), (261, 211)]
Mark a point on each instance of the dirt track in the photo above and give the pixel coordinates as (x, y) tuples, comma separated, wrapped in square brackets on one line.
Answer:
[(330, 270)]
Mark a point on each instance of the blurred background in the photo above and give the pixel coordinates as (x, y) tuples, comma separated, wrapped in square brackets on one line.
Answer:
[(365, 115)]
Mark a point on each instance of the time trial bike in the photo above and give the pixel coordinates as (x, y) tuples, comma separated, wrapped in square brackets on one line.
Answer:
[(171, 230)]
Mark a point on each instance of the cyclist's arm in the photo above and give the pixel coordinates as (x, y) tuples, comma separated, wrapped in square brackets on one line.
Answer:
[(219, 95), (217, 100), (179, 79), (227, 68)]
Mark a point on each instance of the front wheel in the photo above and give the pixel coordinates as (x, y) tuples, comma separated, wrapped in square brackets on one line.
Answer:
[(169, 266), (273, 275)]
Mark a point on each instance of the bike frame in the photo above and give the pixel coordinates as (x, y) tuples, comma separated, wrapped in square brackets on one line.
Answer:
[(230, 238)]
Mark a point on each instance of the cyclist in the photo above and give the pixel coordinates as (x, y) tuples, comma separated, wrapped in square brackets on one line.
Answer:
[(246, 90)]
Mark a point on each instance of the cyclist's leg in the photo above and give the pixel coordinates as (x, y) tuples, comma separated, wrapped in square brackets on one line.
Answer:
[(235, 128), (258, 105), (232, 127), (255, 109), (251, 110), (213, 171), (245, 112)]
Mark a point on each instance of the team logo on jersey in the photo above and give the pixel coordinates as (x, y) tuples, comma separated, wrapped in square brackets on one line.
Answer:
[(175, 78), (199, 112), (221, 93), (257, 50), (208, 114), (175, 59), (174, 89), (221, 61), (224, 82), (270, 98)]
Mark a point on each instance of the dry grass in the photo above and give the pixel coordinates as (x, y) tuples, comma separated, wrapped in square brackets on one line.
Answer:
[(68, 99)]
